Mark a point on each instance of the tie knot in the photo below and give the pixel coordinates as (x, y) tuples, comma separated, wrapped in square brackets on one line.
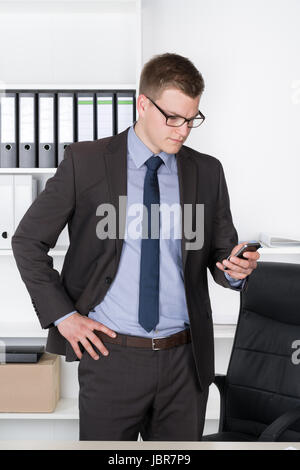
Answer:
[(154, 162)]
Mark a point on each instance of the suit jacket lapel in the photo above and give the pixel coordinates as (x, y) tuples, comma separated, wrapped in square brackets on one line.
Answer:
[(188, 180), (116, 164)]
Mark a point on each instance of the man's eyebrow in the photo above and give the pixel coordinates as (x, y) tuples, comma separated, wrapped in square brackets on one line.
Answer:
[(179, 115)]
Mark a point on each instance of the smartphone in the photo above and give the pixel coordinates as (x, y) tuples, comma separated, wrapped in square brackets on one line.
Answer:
[(251, 246)]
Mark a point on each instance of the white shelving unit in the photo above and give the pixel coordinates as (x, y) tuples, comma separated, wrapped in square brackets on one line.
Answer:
[(99, 43)]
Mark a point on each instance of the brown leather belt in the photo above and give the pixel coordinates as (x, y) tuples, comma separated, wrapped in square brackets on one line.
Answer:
[(155, 344)]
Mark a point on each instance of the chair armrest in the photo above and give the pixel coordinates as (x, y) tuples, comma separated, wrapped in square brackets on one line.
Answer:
[(220, 381), (275, 429)]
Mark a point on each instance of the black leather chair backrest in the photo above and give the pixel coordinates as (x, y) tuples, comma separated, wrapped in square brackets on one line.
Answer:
[(263, 377)]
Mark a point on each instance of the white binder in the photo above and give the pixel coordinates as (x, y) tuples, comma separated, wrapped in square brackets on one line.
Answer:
[(63, 240), (17, 193), (46, 155), (85, 116), (105, 115), (280, 239), (125, 111), (65, 114), (6, 210), (25, 192), (27, 130), (8, 133)]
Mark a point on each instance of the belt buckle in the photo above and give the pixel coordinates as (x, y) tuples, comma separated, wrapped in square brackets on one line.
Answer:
[(153, 345)]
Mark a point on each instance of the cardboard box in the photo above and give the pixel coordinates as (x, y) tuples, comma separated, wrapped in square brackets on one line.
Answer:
[(30, 388)]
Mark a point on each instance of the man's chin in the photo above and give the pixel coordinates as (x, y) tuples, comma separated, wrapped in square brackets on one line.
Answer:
[(174, 145)]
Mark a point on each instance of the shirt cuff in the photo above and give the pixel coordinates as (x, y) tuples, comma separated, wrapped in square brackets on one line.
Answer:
[(63, 318), (235, 282)]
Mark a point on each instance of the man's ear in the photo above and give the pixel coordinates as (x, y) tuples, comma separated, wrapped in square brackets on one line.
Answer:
[(142, 104)]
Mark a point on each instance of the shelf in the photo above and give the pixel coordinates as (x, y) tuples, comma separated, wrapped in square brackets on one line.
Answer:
[(25, 329), (224, 331), (69, 2), (28, 170), (61, 251), (55, 252), (67, 86), (67, 408)]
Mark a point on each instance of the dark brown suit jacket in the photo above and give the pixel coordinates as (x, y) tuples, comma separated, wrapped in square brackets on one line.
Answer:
[(93, 173)]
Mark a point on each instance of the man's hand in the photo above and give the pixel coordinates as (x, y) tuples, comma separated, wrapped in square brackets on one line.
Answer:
[(80, 328), (240, 268)]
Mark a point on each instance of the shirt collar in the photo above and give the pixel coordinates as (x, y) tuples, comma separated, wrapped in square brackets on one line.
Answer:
[(139, 152)]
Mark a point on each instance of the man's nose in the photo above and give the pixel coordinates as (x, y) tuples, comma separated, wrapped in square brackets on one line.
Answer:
[(183, 130)]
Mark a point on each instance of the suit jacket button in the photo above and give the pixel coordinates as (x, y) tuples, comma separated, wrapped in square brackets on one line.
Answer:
[(108, 280)]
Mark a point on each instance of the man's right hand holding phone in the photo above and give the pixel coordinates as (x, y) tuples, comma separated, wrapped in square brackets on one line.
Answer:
[(78, 327), (240, 268)]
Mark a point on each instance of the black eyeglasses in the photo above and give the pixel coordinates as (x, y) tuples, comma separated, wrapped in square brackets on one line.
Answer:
[(177, 121)]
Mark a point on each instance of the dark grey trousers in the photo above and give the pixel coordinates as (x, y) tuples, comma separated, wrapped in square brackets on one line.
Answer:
[(135, 390)]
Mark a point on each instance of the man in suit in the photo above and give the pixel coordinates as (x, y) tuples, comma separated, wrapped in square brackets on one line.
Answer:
[(135, 310)]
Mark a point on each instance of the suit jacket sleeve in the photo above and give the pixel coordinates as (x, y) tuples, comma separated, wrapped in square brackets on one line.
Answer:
[(224, 236), (36, 233)]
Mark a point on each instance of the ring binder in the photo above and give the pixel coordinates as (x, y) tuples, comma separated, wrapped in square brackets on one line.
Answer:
[(6, 210), (8, 130), (105, 115), (125, 110), (27, 130), (66, 122), (85, 116), (25, 192), (46, 156)]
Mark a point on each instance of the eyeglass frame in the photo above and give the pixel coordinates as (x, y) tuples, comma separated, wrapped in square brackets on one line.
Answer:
[(185, 119)]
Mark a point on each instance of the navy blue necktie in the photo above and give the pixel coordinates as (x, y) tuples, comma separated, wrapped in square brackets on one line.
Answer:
[(149, 274)]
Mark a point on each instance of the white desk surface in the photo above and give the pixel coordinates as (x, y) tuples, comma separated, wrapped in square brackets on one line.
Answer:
[(147, 445)]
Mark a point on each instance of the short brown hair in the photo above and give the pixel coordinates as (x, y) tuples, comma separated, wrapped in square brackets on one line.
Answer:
[(170, 71)]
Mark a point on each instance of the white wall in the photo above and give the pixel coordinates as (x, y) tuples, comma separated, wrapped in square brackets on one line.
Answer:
[(67, 42), (248, 53)]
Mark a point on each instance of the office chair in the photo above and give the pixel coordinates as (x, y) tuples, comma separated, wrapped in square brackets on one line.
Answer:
[(260, 395)]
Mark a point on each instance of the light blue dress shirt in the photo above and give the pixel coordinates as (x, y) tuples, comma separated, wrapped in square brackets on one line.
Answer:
[(119, 308)]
